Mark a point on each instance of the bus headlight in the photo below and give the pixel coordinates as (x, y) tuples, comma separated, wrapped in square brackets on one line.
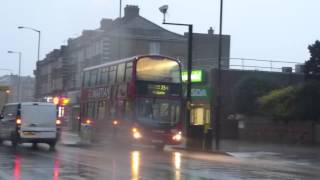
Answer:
[(177, 137), (136, 134)]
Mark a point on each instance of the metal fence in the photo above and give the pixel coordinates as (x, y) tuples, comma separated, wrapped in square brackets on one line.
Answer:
[(248, 64)]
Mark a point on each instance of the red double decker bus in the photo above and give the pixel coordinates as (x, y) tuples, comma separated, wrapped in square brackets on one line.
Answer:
[(138, 98)]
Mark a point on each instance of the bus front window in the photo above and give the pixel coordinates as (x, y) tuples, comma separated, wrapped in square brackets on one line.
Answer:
[(156, 112)]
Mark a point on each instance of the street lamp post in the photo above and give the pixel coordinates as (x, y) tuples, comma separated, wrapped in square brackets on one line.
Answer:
[(218, 97), (120, 9), (39, 37), (19, 76), (163, 9)]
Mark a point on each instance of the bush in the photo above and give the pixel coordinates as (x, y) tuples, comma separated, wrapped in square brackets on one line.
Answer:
[(301, 102), (278, 103)]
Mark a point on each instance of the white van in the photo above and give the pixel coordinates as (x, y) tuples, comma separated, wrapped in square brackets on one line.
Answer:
[(30, 122)]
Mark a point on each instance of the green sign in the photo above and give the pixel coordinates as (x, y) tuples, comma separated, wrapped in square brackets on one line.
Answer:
[(197, 76)]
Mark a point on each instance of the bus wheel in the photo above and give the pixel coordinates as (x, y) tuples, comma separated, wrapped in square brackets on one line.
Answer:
[(34, 145), (14, 143), (52, 145)]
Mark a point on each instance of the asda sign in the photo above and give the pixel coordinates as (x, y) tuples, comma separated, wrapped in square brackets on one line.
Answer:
[(200, 93), (197, 76)]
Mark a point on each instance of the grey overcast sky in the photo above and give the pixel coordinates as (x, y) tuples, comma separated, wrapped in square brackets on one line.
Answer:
[(263, 29)]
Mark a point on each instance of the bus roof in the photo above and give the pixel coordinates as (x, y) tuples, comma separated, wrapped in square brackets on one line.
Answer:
[(123, 60), (111, 63)]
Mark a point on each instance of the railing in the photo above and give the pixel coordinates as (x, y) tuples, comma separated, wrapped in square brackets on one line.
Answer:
[(246, 64)]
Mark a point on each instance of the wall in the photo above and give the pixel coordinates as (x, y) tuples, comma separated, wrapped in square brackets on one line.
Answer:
[(277, 132), (317, 133), (229, 79)]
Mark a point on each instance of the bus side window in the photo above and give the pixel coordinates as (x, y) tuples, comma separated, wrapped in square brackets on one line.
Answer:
[(120, 72), (93, 77), (98, 80), (128, 75), (112, 74), (104, 76), (86, 81)]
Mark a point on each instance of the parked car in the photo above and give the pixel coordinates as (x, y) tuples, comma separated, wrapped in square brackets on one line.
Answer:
[(30, 122)]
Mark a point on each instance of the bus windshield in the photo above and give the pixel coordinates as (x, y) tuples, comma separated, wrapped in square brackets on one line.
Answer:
[(158, 112), (161, 70)]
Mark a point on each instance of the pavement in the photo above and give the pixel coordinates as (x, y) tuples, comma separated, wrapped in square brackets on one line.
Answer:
[(70, 138)]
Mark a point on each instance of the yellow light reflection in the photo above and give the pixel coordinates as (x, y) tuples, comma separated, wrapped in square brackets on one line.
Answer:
[(177, 160), (135, 164), (177, 165)]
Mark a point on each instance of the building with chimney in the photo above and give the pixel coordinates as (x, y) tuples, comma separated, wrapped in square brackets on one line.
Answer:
[(60, 72), (27, 87)]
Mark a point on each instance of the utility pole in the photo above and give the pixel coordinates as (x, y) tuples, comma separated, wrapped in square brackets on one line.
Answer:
[(218, 97)]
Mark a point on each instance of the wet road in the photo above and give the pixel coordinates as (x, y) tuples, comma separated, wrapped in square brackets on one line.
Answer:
[(120, 163)]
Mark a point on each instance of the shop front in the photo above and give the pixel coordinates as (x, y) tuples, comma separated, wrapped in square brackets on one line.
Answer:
[(200, 118)]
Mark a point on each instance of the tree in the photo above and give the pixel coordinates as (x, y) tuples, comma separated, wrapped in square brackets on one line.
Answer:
[(312, 66), (308, 101), (279, 103), (300, 102), (247, 91)]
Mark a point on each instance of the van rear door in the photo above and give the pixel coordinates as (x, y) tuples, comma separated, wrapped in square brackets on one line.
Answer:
[(38, 117)]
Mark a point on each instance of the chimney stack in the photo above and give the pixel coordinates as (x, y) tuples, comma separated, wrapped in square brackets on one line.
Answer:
[(131, 11), (105, 23), (210, 31)]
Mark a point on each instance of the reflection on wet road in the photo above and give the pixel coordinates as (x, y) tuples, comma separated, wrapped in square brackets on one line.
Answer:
[(135, 163), (118, 163)]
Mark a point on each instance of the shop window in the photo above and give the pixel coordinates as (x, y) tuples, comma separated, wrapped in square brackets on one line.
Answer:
[(198, 116), (154, 48)]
